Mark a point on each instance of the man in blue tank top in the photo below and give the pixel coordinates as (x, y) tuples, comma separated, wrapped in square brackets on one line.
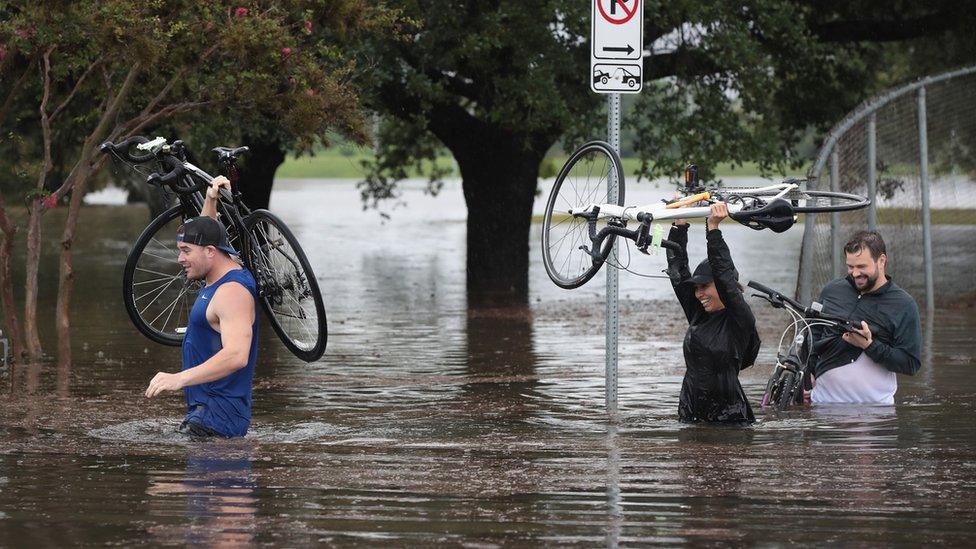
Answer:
[(220, 345)]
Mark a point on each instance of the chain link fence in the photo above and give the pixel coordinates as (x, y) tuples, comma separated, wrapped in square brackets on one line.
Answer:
[(913, 151)]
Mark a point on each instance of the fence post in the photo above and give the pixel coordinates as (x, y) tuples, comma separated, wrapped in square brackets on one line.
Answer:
[(805, 278), (837, 259), (923, 157), (873, 172), (613, 135)]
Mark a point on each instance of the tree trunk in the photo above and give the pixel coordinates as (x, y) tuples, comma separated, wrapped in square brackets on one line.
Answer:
[(31, 334), (499, 181), (499, 172), (7, 284), (257, 179), (67, 275)]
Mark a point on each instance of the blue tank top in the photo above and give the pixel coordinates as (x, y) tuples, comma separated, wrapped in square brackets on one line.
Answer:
[(223, 405)]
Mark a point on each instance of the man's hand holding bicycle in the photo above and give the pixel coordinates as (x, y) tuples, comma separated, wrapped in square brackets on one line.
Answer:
[(215, 185), (213, 196)]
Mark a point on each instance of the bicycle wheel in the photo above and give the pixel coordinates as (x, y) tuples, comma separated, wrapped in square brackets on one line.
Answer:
[(785, 390), (770, 393), (583, 180), (157, 295), (825, 201), (287, 288)]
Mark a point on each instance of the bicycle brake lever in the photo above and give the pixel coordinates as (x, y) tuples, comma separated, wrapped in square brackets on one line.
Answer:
[(643, 238), (774, 303), (592, 254)]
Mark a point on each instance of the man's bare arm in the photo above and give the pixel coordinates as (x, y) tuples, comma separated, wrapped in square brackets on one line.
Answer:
[(213, 195), (234, 307)]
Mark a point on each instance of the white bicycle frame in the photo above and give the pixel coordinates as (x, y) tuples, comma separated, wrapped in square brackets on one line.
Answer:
[(662, 212)]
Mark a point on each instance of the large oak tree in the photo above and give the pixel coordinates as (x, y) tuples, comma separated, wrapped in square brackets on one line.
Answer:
[(498, 83)]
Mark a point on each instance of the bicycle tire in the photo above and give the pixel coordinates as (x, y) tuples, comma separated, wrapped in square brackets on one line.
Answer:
[(153, 261), (578, 266), (282, 272), (826, 201), (768, 394), (785, 390)]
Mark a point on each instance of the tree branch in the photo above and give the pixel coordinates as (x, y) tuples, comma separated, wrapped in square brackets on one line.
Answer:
[(151, 106), (135, 125), (45, 120), (76, 87), (114, 106)]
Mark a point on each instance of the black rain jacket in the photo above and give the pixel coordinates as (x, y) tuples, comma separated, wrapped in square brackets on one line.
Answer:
[(891, 314), (717, 345)]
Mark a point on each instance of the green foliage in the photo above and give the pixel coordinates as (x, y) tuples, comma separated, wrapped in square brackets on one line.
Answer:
[(407, 149), (727, 82), (276, 67)]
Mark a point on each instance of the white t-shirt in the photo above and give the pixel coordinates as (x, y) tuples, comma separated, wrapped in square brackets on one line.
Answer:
[(863, 381)]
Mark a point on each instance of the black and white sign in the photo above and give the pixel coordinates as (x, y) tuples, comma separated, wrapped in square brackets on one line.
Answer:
[(617, 39)]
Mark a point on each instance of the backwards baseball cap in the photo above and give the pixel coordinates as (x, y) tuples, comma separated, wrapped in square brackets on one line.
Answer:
[(703, 274), (205, 231)]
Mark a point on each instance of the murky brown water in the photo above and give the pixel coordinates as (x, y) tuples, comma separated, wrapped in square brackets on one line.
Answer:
[(427, 424)]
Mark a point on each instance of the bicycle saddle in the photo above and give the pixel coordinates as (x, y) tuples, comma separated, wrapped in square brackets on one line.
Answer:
[(776, 216), (227, 152)]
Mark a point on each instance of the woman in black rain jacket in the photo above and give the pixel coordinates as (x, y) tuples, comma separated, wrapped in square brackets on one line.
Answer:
[(722, 337)]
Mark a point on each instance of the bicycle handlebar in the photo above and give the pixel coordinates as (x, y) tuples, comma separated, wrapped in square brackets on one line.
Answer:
[(776, 296), (173, 172), (778, 300), (124, 148)]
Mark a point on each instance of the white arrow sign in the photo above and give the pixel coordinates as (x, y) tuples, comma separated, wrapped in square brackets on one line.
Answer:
[(617, 40)]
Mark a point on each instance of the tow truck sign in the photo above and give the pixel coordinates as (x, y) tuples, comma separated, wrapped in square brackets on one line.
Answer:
[(617, 40)]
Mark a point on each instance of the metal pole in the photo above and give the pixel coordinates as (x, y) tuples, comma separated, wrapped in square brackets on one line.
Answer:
[(873, 172), (805, 282), (614, 501), (923, 157), (613, 137), (838, 260)]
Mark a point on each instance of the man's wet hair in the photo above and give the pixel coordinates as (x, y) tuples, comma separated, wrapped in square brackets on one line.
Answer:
[(869, 240)]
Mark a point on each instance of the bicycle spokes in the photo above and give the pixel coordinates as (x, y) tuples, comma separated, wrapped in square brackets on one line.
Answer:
[(283, 286), (160, 295), (584, 180)]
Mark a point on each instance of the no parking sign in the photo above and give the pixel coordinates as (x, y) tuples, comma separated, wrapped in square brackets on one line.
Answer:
[(617, 40)]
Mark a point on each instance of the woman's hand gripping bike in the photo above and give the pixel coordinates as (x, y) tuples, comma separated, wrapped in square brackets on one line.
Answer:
[(582, 221), (156, 292), (793, 356)]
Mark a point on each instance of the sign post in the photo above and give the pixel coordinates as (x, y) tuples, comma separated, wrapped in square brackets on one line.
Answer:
[(616, 66)]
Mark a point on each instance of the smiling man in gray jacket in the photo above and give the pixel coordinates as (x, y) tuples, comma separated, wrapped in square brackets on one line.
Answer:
[(860, 367)]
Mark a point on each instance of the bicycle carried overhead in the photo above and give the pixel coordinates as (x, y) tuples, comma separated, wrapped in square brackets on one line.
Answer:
[(156, 291), (581, 220)]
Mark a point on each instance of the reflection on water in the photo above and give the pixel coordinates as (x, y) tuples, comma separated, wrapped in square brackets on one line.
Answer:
[(429, 424), (214, 493)]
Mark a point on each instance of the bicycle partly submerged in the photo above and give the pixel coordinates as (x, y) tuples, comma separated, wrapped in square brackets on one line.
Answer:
[(157, 294), (582, 218), (794, 356)]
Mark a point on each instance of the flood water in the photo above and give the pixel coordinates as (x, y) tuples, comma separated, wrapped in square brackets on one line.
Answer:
[(429, 424)]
